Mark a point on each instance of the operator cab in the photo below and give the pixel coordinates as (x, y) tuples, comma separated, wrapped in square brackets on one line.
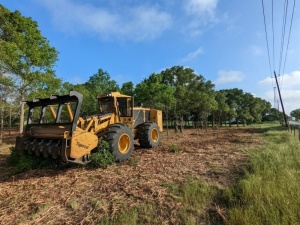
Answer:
[(106, 105), (121, 105)]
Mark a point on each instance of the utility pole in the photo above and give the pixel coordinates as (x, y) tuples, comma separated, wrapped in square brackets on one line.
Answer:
[(285, 120)]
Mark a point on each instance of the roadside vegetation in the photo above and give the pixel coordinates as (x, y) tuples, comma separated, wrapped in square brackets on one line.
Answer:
[(269, 191)]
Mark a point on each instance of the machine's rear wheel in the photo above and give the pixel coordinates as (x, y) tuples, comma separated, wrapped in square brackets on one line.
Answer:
[(149, 135), (120, 139)]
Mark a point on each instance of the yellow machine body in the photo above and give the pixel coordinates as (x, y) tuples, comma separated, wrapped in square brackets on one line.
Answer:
[(54, 127)]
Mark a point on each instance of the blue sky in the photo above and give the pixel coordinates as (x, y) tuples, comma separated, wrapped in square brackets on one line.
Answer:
[(224, 41)]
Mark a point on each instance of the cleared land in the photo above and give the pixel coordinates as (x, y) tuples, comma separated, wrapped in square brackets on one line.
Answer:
[(77, 195)]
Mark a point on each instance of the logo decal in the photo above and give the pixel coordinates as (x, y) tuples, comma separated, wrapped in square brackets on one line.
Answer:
[(82, 146)]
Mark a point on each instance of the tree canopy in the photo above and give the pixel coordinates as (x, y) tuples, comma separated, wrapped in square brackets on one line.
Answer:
[(26, 57), (295, 113)]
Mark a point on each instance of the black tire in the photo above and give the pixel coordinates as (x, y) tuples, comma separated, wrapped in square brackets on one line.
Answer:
[(120, 139), (149, 135)]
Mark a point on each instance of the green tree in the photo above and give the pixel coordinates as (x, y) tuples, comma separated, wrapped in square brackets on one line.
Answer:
[(296, 113), (26, 56), (192, 93), (259, 109), (204, 100), (234, 98), (273, 115), (222, 107), (152, 92), (127, 88), (86, 105), (244, 107), (180, 78), (99, 83)]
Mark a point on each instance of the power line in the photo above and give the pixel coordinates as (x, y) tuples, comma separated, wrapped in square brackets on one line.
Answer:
[(285, 7), (263, 7), (287, 47), (266, 33), (273, 35), (273, 44), (285, 40)]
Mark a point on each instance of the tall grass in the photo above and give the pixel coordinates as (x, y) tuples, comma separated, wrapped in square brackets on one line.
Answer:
[(270, 190), (194, 197)]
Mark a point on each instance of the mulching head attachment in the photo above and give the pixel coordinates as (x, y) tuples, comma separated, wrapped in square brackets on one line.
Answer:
[(51, 126)]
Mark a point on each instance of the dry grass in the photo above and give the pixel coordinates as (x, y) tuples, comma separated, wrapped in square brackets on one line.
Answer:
[(88, 196)]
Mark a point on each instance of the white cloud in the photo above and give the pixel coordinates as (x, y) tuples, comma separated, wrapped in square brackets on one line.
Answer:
[(230, 76), (200, 7), (193, 55), (202, 13), (286, 80), (136, 22), (289, 89), (267, 81), (290, 98)]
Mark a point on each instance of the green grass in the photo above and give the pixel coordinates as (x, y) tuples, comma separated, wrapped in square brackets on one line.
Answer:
[(21, 162), (269, 193), (192, 198), (174, 148), (102, 157)]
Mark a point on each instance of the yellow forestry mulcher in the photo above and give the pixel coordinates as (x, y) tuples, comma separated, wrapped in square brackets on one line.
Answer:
[(55, 129)]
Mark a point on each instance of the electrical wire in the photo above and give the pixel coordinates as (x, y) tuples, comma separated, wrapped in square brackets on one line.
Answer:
[(288, 42), (285, 7), (282, 60), (263, 7), (266, 33), (273, 44), (273, 35)]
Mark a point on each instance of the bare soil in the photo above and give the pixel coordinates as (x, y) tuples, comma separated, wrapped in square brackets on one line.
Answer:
[(69, 196)]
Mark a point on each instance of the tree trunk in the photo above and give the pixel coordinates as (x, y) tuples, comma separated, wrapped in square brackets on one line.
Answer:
[(206, 121), (180, 124), (176, 125), (22, 112), (167, 122), (9, 119), (2, 115)]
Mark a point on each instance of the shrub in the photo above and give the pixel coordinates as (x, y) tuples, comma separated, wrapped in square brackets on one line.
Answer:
[(102, 157), (22, 162), (174, 148)]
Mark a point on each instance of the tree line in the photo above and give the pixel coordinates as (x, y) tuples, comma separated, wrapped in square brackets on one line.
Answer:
[(27, 71)]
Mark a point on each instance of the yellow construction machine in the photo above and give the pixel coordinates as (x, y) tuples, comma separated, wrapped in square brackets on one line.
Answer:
[(55, 129)]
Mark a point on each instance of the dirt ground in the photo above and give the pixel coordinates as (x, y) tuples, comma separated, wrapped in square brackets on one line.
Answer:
[(68, 196)]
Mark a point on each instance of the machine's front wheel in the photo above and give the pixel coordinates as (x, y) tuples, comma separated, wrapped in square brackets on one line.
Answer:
[(149, 135), (120, 139)]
